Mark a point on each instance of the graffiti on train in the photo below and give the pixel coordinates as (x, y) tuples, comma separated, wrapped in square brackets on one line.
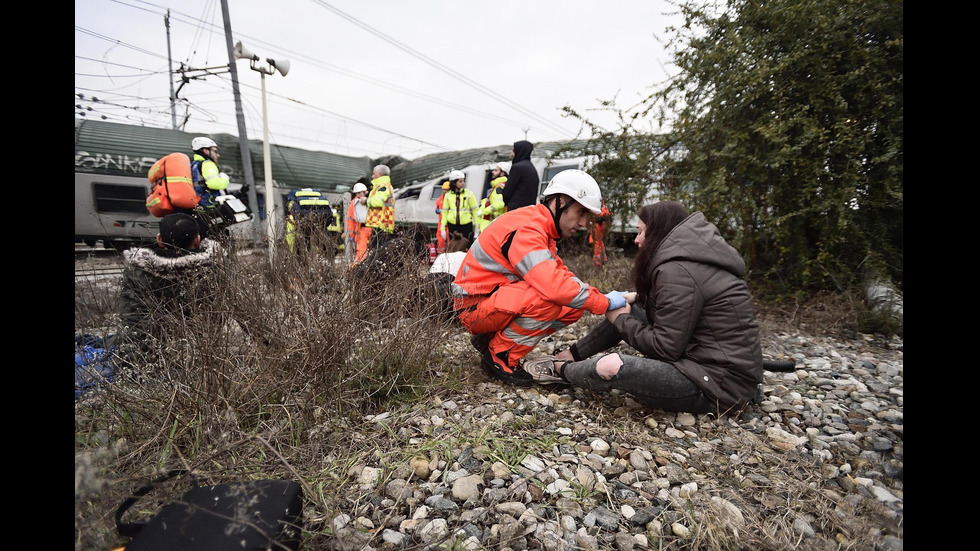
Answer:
[(113, 163), (136, 224)]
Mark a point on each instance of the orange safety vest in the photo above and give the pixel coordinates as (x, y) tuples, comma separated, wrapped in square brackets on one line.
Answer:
[(521, 245)]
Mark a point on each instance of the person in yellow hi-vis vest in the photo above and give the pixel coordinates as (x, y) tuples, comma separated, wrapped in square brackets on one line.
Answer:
[(458, 207), (310, 216), (381, 207), (209, 181), (493, 205)]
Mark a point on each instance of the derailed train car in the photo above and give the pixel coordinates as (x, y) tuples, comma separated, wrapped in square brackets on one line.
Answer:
[(111, 185), (418, 182)]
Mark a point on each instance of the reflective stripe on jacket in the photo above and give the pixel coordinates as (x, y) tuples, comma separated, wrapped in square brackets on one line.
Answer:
[(381, 205), (521, 245), (208, 182), (493, 205), (458, 207), (353, 224)]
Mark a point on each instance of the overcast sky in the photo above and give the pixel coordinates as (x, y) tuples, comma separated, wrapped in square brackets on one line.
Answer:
[(373, 77)]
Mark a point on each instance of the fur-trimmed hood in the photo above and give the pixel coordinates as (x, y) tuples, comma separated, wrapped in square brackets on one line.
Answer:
[(160, 263)]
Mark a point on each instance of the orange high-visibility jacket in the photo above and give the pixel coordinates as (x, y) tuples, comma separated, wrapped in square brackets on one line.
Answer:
[(522, 245)]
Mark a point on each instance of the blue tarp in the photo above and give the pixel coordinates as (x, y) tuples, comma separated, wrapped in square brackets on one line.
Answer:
[(93, 363)]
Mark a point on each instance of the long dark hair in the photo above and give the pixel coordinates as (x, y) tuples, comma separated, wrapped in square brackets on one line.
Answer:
[(659, 218)]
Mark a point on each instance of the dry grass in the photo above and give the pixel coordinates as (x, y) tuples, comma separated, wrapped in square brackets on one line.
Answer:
[(276, 378)]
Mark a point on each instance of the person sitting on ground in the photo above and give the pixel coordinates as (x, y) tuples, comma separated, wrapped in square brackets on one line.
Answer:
[(450, 261), (443, 273), (693, 320), (162, 288)]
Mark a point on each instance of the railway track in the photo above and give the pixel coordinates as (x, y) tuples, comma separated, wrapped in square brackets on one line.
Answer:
[(92, 264), (84, 251), (99, 272)]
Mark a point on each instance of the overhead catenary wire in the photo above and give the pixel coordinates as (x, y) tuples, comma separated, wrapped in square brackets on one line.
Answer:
[(449, 71), (206, 27)]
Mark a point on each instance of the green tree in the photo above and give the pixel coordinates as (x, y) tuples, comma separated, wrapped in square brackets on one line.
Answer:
[(789, 114)]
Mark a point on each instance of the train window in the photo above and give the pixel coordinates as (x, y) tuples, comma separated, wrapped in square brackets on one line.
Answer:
[(120, 198), (549, 174), (410, 193), (437, 192)]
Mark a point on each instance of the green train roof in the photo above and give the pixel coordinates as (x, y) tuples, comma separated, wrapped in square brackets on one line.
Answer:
[(129, 150), (438, 164)]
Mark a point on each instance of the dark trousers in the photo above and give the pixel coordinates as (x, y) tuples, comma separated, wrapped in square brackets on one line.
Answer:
[(652, 382)]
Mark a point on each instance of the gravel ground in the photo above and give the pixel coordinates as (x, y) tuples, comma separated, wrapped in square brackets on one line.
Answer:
[(816, 464)]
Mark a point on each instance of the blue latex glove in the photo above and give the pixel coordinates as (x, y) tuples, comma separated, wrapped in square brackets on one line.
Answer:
[(616, 300)]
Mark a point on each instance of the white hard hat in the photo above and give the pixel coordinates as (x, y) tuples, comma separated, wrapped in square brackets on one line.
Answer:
[(456, 175), (359, 187), (505, 166), (202, 143), (578, 185)]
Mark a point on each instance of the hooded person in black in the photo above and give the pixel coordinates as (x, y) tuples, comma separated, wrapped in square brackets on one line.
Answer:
[(522, 184)]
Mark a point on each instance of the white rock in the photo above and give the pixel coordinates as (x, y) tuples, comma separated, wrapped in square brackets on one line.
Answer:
[(884, 495), (600, 447), (368, 478), (674, 433), (680, 530), (533, 463)]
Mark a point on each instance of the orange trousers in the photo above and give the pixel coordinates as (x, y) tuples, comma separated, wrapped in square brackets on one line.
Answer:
[(361, 244), (517, 316), (440, 241), (597, 238)]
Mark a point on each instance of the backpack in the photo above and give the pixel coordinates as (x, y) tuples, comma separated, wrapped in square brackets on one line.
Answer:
[(250, 515), (173, 186)]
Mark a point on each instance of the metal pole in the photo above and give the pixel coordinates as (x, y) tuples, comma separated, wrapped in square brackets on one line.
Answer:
[(253, 202), (170, 65), (270, 212)]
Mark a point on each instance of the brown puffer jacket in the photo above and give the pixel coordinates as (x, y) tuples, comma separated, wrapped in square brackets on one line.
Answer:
[(700, 314)]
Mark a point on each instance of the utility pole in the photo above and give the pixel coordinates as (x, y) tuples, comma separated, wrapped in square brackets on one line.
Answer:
[(253, 201), (170, 65)]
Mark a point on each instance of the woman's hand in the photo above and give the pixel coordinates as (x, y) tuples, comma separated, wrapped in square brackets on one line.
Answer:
[(611, 315)]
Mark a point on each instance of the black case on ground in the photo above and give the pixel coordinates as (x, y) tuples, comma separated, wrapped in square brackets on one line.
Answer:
[(253, 515)]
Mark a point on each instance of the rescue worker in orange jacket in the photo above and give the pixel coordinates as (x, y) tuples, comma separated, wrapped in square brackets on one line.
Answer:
[(357, 233), (597, 236), (512, 289)]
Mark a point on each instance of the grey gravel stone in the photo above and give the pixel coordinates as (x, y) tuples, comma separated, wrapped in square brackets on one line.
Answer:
[(828, 434)]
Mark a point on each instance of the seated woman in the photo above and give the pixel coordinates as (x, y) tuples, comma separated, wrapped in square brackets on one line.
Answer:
[(449, 261), (693, 321)]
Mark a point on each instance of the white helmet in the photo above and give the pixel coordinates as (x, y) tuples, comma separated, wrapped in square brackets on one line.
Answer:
[(359, 187), (202, 143), (578, 185), (504, 166), (456, 175)]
